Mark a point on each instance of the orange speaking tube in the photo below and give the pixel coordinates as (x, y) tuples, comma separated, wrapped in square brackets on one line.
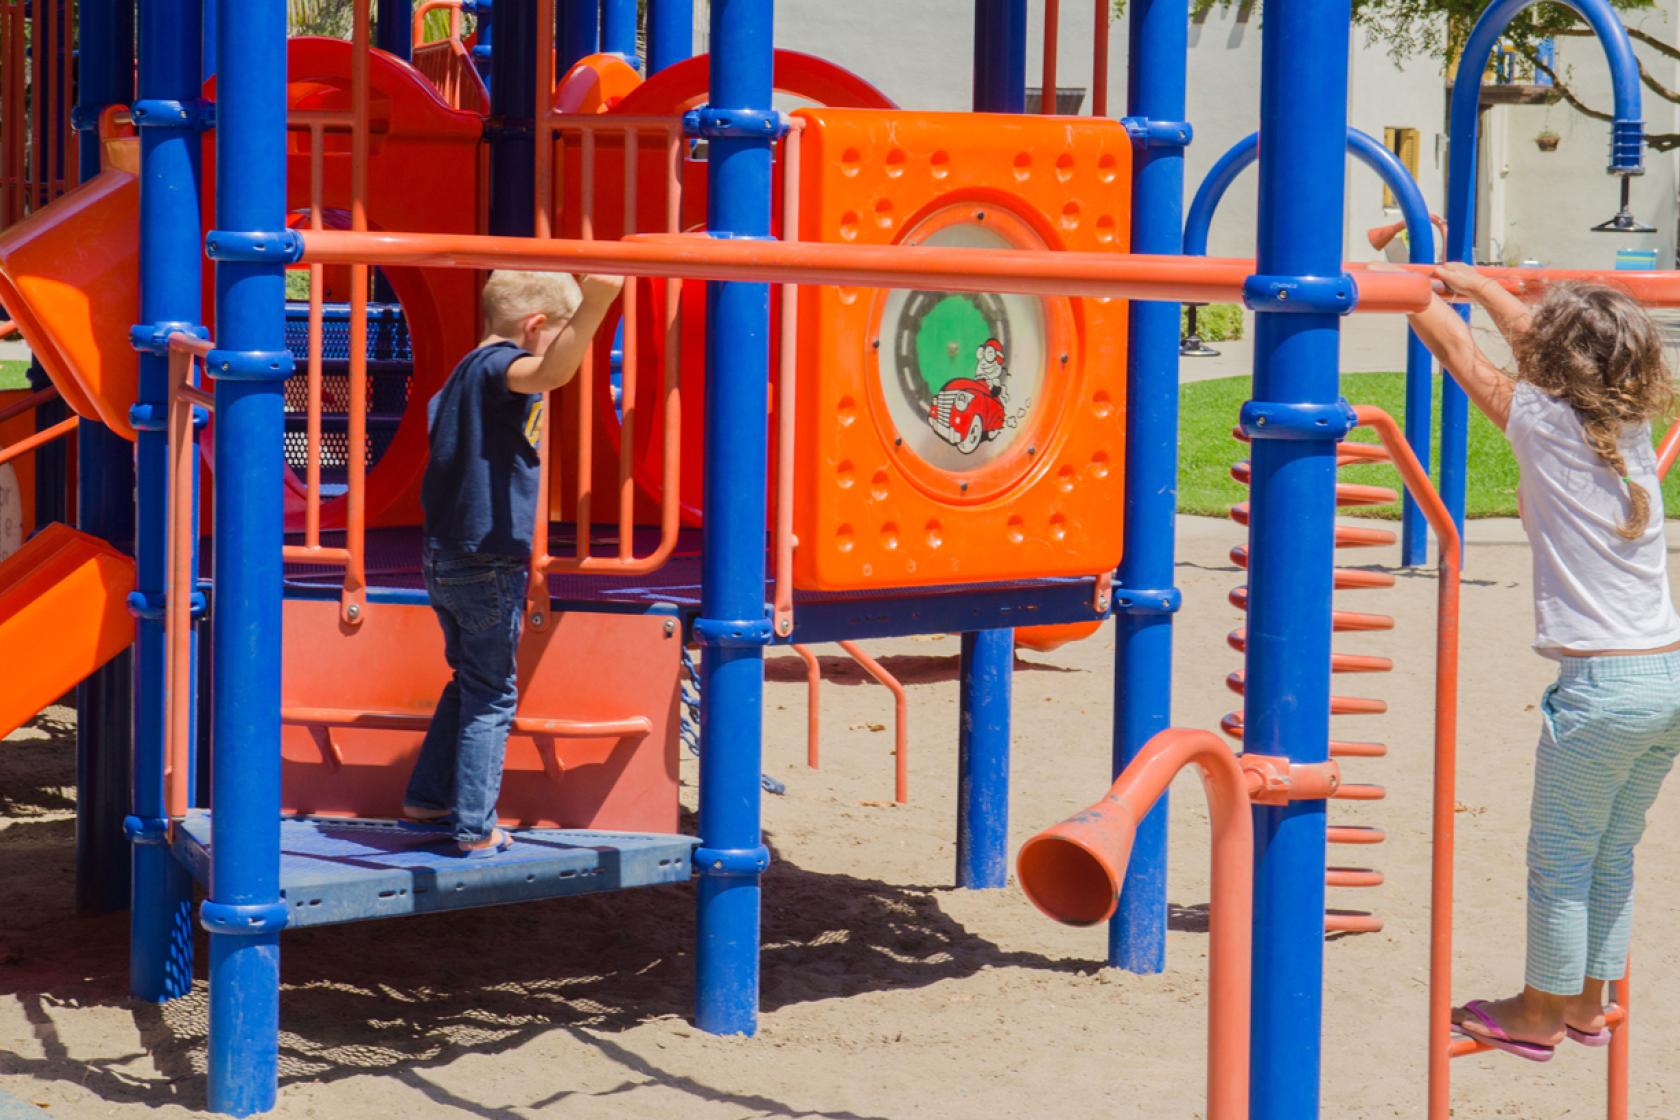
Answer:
[(1073, 871)]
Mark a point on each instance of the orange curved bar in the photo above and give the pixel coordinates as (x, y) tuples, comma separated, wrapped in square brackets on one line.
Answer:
[(695, 256), (1072, 873), (1434, 510), (1668, 450), (813, 705), (426, 8), (46, 435), (901, 718)]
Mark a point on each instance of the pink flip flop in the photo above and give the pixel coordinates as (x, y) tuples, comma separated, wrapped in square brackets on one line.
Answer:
[(1600, 1037), (1496, 1037)]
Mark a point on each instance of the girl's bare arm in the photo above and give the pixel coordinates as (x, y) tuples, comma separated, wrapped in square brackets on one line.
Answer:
[(1448, 338), (1510, 315)]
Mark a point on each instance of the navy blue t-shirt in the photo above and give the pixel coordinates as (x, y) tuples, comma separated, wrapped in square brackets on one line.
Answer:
[(480, 489)]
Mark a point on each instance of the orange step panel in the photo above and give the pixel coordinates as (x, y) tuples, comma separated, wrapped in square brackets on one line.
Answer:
[(583, 666), (63, 614), (947, 437)]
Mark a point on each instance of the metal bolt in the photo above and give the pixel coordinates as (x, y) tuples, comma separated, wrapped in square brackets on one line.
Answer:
[(875, 344), (979, 215), (1283, 294), (537, 618), (784, 626), (963, 487), (1032, 451), (670, 627), (1064, 359), (1260, 421), (353, 611), (898, 441)]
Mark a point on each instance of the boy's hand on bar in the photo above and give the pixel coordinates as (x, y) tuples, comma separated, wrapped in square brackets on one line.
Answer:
[(600, 288)]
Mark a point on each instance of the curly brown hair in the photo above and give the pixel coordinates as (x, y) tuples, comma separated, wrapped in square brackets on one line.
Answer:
[(1597, 348)]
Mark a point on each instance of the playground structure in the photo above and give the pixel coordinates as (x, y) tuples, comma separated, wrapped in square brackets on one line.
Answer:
[(932, 357)]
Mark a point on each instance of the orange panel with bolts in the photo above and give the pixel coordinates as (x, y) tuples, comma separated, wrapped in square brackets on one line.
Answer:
[(948, 438), (63, 614), (588, 750)]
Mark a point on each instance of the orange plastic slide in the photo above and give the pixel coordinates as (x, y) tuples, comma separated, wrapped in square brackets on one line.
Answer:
[(63, 614)]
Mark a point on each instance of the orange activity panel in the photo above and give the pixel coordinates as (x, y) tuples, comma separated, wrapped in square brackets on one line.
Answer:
[(950, 437)]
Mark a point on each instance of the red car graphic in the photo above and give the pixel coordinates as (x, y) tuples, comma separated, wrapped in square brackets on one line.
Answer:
[(966, 413)]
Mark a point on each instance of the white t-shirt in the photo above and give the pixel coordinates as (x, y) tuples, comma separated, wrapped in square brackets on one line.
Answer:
[(1592, 589)]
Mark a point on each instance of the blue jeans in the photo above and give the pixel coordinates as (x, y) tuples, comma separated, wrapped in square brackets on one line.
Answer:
[(480, 603)]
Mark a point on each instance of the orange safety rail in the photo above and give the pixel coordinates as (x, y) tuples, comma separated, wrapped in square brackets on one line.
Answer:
[(447, 62), (185, 354), (426, 8), (1099, 57), (34, 142), (1346, 536), (317, 122), (901, 712), (1039, 272), (38, 439)]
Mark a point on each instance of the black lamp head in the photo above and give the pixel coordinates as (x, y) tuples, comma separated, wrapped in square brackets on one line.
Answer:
[(1623, 220)]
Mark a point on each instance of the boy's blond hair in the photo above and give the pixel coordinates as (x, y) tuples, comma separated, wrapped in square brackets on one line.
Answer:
[(510, 296)]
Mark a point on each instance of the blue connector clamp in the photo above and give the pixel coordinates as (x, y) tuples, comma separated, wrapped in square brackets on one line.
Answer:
[(1271, 420)]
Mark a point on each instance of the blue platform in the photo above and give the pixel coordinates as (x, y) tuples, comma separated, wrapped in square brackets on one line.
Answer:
[(334, 870)]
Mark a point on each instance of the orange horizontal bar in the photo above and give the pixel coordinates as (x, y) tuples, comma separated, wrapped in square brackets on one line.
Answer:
[(1652, 288), (8, 328), (696, 256), (307, 554), (46, 435), (197, 396), (524, 725), (33, 400)]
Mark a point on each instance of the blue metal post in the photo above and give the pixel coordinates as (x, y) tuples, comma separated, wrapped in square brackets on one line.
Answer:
[(670, 33), (618, 29), (244, 913), (393, 27), (208, 51), (513, 90), (577, 31), (988, 658), (1627, 156), (1143, 638), (733, 626), (1295, 421), (1414, 544), (484, 49), (167, 117), (105, 508)]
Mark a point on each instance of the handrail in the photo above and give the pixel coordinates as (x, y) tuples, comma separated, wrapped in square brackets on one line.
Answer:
[(901, 718), (426, 8), (184, 352), (633, 726), (787, 394), (45, 436), (34, 400), (1416, 478), (697, 257), (7, 329)]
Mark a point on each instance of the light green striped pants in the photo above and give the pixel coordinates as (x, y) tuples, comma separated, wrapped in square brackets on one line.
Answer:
[(1610, 737)]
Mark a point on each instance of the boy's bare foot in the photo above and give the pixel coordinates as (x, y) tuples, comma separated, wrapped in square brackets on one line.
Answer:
[(1522, 1018)]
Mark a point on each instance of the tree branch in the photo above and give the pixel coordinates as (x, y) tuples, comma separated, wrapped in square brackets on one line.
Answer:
[(1656, 141), (1650, 40)]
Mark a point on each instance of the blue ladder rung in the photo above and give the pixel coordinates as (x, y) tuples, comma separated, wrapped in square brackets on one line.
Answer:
[(336, 870)]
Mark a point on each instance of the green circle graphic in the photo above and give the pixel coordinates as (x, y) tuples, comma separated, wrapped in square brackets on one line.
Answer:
[(946, 339)]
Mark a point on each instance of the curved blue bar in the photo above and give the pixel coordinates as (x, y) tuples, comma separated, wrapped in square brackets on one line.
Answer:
[(670, 33), (245, 709), (1414, 544), (1626, 158), (1286, 701), (1143, 635), (732, 538)]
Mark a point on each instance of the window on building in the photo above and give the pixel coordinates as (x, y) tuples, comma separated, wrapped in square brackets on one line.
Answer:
[(1403, 142)]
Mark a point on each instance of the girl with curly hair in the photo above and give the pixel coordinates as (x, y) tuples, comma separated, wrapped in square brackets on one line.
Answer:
[(1590, 378)]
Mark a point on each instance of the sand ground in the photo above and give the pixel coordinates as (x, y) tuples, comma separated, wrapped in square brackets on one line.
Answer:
[(886, 993)]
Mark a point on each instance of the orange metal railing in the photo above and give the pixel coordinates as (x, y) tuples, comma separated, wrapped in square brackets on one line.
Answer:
[(35, 440), (901, 712), (35, 104), (1101, 15), (426, 8)]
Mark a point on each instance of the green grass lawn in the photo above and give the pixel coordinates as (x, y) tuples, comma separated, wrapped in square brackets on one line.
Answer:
[(1208, 410), (14, 375)]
